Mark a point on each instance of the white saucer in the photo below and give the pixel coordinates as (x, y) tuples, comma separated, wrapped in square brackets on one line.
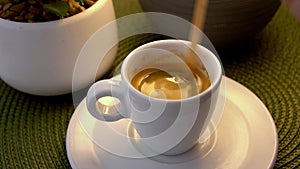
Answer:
[(246, 137)]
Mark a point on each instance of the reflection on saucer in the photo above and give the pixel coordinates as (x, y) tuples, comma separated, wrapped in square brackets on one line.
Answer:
[(200, 150)]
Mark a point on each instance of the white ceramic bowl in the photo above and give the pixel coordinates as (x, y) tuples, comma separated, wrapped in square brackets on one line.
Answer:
[(229, 22), (39, 58)]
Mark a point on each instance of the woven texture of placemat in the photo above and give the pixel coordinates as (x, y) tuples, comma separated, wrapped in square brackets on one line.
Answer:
[(33, 129), (270, 67)]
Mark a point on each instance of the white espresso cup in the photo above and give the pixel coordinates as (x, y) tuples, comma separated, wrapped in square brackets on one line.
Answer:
[(168, 127)]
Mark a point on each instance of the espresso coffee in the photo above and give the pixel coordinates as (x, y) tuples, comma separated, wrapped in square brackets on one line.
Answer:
[(172, 84)]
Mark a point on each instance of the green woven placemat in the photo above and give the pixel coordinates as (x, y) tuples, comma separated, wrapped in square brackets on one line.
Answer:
[(270, 67), (33, 129)]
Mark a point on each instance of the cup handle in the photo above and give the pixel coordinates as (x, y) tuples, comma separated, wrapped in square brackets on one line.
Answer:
[(100, 89)]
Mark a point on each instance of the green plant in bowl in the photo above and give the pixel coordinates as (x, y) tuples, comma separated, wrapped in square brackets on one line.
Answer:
[(41, 10), (38, 55)]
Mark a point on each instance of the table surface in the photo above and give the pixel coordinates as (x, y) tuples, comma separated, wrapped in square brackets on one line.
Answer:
[(33, 128)]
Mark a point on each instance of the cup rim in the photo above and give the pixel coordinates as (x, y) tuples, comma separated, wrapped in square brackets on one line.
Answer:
[(204, 93)]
